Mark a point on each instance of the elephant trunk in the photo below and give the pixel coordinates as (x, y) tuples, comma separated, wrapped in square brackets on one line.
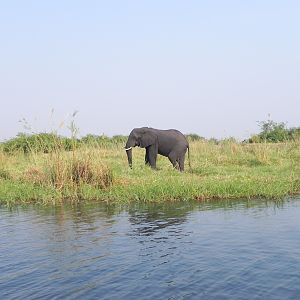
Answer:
[(129, 157), (130, 143)]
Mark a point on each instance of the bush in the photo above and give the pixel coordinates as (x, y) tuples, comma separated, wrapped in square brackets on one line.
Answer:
[(68, 172), (294, 133), (103, 140), (194, 137), (49, 142), (41, 142), (273, 132)]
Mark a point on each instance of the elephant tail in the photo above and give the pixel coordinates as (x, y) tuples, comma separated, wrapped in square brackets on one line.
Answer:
[(189, 158)]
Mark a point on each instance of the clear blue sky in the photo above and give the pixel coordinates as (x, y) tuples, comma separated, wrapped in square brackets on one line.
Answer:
[(208, 67)]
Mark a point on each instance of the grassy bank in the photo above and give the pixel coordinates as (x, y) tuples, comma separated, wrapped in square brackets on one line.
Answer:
[(99, 172)]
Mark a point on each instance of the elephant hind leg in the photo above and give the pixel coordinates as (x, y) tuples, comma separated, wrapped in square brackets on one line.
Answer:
[(174, 160), (147, 156), (177, 159), (181, 163)]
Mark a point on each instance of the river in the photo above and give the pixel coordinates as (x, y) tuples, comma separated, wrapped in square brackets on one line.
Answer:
[(241, 249)]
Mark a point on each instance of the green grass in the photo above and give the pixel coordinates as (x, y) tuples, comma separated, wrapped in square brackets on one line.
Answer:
[(97, 173)]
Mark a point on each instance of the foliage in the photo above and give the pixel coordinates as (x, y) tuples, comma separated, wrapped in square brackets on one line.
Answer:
[(46, 167), (224, 170), (103, 140), (65, 172), (41, 142), (194, 137), (294, 133), (50, 142), (274, 132)]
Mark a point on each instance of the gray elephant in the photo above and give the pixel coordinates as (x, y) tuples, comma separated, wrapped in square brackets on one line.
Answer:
[(170, 143)]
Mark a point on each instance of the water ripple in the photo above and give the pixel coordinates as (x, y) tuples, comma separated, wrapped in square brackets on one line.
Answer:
[(222, 250)]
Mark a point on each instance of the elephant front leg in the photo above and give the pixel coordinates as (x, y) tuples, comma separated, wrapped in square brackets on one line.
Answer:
[(152, 155)]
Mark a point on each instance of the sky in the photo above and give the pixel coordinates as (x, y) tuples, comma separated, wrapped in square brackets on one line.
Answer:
[(214, 68)]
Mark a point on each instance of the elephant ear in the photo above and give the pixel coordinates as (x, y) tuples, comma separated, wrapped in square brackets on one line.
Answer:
[(147, 139)]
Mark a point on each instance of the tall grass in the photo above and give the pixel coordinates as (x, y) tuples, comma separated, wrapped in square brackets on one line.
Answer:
[(52, 142), (95, 171), (47, 165), (226, 170)]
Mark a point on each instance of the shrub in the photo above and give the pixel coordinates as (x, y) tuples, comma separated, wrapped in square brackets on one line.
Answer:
[(294, 133), (41, 142), (103, 140), (274, 132), (49, 142), (72, 172), (194, 137)]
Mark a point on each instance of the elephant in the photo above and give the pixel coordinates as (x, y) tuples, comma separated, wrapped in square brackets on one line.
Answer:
[(170, 143)]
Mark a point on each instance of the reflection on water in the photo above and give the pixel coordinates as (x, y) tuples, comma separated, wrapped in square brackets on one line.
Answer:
[(190, 250)]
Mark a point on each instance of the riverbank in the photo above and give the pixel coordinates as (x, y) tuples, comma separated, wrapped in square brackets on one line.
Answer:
[(101, 173)]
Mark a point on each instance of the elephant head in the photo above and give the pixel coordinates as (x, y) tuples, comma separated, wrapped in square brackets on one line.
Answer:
[(141, 137)]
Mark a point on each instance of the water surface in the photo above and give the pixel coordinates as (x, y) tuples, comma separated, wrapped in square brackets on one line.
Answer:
[(216, 250)]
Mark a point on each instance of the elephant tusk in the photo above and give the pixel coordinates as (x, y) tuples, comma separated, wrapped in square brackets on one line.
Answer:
[(128, 148)]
